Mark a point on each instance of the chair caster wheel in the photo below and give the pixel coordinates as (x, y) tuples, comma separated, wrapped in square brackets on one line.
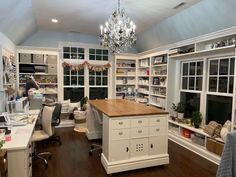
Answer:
[(90, 153), (50, 157)]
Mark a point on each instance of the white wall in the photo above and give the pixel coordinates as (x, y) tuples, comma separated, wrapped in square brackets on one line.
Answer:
[(17, 19), (202, 18), (8, 45)]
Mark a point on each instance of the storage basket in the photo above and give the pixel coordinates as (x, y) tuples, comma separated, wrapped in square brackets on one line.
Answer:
[(38, 58), (25, 58), (52, 59)]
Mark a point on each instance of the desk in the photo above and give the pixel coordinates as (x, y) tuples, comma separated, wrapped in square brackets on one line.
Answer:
[(19, 149), (134, 135)]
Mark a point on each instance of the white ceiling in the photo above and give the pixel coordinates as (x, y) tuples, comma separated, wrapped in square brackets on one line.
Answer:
[(85, 16)]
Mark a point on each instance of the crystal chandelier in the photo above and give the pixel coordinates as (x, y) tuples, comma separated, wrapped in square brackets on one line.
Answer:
[(119, 31)]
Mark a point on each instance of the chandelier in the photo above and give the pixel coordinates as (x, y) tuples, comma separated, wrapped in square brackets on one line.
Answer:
[(119, 32)]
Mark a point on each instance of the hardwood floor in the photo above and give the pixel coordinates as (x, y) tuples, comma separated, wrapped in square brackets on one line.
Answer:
[(72, 159)]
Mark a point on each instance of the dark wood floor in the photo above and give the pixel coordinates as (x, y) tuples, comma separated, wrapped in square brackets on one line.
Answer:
[(71, 159)]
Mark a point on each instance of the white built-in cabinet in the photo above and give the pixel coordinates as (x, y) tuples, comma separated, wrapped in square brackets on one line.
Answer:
[(138, 142)]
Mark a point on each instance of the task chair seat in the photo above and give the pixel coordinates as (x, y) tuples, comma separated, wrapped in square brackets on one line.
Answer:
[(98, 119), (41, 135)]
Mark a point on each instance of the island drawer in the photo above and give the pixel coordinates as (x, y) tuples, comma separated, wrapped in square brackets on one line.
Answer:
[(139, 132), (140, 122), (120, 134), (156, 121), (120, 124)]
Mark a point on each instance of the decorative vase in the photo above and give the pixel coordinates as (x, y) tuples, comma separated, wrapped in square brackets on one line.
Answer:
[(196, 125), (180, 115)]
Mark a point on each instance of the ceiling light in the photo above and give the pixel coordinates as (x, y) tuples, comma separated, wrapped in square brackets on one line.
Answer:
[(54, 20), (118, 33), (179, 5)]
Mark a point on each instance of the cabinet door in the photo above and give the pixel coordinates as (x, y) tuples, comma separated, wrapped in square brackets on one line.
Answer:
[(119, 150), (158, 145), (138, 147)]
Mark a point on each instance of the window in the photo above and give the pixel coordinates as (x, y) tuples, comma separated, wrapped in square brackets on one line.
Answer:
[(75, 94), (98, 83), (73, 78), (219, 108), (192, 75), (98, 54), (191, 102), (221, 75), (73, 53)]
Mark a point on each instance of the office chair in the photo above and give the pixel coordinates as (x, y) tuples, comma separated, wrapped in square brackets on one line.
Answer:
[(44, 134), (98, 119), (56, 120)]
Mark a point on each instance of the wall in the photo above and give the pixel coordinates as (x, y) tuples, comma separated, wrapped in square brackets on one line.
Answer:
[(17, 19), (8, 45), (205, 17)]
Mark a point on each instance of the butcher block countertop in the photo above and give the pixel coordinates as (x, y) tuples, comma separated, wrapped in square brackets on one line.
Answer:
[(121, 108)]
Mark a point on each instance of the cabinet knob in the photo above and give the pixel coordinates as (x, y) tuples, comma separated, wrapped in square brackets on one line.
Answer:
[(140, 121), (120, 133), (30, 145), (158, 120), (127, 149), (140, 131), (151, 145), (30, 155), (157, 129), (120, 123), (30, 164)]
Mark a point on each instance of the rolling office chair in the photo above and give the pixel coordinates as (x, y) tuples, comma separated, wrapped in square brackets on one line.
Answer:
[(98, 119), (56, 120), (45, 133)]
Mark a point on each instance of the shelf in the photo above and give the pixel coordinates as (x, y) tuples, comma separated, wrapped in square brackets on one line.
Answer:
[(46, 74), (154, 104), (145, 93), (143, 76), (41, 83), (159, 65), (143, 67), (163, 96), (143, 85), (125, 68), (225, 49), (125, 84), (49, 93), (161, 86), (196, 130), (158, 75), (125, 76), (33, 64)]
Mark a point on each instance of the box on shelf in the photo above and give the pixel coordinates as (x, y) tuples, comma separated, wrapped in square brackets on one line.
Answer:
[(25, 58), (52, 69), (38, 58), (198, 139), (214, 146), (52, 59)]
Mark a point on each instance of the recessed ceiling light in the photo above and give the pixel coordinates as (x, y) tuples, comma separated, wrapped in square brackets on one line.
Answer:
[(54, 20), (179, 5)]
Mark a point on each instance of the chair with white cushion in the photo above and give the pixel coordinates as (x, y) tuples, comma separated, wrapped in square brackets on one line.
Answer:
[(98, 119), (45, 133)]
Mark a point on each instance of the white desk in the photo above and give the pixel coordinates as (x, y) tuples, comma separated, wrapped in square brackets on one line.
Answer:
[(19, 149), (134, 135)]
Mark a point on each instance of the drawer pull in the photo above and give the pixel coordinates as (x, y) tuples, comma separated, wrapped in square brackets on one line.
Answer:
[(30, 155), (120, 123), (157, 129), (151, 146), (30, 164), (140, 131), (158, 120), (140, 121), (127, 149), (120, 133)]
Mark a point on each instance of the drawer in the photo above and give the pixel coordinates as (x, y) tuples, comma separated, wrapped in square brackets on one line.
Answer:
[(52, 59), (120, 124), (139, 132), (156, 121), (52, 69), (157, 130), (140, 122), (25, 58), (38, 58), (120, 134)]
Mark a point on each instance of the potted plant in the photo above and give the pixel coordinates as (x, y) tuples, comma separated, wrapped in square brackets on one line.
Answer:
[(196, 119), (174, 107), (180, 110), (83, 103)]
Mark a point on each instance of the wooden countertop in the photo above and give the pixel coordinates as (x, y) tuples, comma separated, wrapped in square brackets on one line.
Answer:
[(121, 108)]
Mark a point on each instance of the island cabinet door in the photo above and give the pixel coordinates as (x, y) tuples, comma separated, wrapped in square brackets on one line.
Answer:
[(139, 147), (119, 150), (158, 145)]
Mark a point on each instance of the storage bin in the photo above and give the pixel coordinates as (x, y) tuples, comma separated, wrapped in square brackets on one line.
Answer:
[(52, 59), (52, 69), (211, 145), (25, 58), (219, 148), (38, 58), (40, 69)]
